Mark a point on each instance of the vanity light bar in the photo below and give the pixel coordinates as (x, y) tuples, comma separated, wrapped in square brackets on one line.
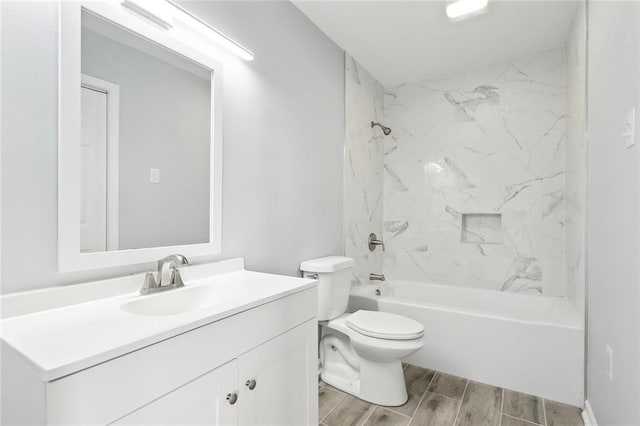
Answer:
[(461, 9), (208, 31), (158, 12), (164, 12)]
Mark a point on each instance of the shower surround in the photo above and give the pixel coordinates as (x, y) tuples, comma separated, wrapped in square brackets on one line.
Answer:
[(490, 143), (363, 168), (481, 183)]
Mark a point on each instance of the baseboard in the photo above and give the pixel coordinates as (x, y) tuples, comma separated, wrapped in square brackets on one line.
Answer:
[(587, 415)]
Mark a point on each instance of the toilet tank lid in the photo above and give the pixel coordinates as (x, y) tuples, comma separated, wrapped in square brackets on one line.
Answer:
[(327, 264)]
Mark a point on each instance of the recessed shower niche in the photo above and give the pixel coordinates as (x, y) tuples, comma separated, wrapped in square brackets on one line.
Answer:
[(482, 228)]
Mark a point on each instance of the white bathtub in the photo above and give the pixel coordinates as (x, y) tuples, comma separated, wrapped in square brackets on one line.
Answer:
[(531, 344)]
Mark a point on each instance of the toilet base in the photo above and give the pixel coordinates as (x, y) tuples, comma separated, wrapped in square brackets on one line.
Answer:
[(377, 383)]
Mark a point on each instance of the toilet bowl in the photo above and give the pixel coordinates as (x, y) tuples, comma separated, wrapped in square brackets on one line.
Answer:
[(366, 362), (361, 352)]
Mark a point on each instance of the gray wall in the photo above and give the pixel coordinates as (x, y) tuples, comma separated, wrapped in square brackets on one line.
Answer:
[(165, 122), (283, 141), (613, 289)]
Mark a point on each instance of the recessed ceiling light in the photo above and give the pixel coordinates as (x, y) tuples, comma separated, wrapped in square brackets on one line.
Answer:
[(461, 9)]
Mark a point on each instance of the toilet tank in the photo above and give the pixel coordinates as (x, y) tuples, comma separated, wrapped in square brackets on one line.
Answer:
[(334, 282)]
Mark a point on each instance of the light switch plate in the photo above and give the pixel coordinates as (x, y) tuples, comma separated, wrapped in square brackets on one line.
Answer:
[(154, 175), (629, 128)]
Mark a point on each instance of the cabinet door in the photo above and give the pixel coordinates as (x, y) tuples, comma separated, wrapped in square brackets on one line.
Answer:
[(202, 401), (285, 371)]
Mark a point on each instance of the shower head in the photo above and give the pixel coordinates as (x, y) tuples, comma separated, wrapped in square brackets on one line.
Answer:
[(385, 129)]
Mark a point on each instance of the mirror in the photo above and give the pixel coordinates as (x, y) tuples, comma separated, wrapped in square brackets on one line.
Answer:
[(140, 141), (145, 123)]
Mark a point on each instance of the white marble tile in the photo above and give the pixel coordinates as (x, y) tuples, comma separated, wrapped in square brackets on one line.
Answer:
[(482, 228), (363, 168), (504, 139), (488, 140), (576, 159)]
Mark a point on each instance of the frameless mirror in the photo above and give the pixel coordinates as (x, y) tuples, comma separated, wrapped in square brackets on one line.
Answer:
[(140, 141), (146, 132)]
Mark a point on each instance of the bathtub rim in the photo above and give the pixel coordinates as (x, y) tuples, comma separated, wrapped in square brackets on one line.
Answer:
[(573, 321)]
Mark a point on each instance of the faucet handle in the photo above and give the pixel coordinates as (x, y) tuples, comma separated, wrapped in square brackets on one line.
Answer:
[(176, 278), (149, 283), (374, 242)]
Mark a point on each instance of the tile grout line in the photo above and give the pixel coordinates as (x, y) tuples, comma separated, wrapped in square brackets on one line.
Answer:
[(410, 418), (335, 406), (523, 420), (392, 410), (371, 410), (501, 407), (440, 394), (435, 373), (461, 401), (445, 396)]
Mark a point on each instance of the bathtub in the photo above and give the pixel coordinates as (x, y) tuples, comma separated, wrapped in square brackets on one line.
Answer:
[(530, 344)]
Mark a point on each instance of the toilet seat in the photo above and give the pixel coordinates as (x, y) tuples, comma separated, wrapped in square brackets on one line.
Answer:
[(375, 346), (384, 325)]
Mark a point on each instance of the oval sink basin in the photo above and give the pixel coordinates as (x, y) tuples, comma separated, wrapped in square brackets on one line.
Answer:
[(183, 300)]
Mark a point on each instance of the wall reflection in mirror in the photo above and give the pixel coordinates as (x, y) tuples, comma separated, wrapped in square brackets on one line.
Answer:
[(146, 141)]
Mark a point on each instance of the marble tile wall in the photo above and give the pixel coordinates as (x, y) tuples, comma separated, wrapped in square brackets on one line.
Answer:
[(363, 169), (576, 158), (490, 140)]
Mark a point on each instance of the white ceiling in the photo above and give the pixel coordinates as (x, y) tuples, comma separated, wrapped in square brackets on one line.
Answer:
[(405, 41)]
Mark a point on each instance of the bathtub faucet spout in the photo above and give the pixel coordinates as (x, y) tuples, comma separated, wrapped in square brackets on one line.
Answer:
[(376, 277)]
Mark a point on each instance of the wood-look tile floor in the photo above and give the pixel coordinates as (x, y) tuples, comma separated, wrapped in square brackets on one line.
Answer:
[(439, 399)]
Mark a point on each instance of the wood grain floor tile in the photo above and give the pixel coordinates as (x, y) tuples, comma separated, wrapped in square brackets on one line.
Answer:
[(351, 411), (562, 415), (417, 380), (327, 400), (512, 421), (448, 385), (439, 399), (384, 417), (523, 406), (435, 410), (480, 405)]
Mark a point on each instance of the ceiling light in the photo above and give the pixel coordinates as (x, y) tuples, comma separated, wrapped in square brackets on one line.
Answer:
[(209, 32), (165, 13), (158, 12), (461, 9)]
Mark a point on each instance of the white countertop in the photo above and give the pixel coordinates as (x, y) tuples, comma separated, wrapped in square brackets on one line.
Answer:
[(60, 341)]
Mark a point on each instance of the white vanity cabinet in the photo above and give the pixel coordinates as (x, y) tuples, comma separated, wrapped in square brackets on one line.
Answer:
[(200, 402), (268, 385), (276, 388), (263, 357)]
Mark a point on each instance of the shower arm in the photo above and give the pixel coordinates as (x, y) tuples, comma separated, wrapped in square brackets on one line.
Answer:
[(386, 130)]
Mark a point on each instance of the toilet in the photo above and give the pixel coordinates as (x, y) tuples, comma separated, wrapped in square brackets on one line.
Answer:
[(361, 352)]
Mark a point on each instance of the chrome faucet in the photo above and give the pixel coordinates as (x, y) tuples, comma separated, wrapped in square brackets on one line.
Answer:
[(152, 285), (376, 277), (374, 242)]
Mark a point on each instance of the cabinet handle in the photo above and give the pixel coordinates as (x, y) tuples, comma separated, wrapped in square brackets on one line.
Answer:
[(232, 398), (251, 384)]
